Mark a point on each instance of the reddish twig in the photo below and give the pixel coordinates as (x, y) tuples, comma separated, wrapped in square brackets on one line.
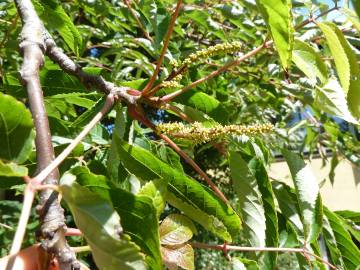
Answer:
[(166, 43), (169, 97), (137, 114)]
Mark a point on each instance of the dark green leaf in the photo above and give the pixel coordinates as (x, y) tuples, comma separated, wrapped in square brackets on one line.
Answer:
[(16, 130), (186, 194), (100, 225), (350, 253), (55, 18)]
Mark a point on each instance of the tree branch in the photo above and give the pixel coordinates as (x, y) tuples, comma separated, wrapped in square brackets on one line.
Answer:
[(53, 227), (166, 43), (89, 80), (61, 157)]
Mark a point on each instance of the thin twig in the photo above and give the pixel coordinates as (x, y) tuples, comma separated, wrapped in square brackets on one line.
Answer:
[(81, 249), (29, 195), (146, 34), (237, 61), (196, 167), (169, 97), (61, 157), (262, 249), (140, 117), (166, 43)]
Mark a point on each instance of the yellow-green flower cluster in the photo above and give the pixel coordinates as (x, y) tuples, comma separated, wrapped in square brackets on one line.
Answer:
[(197, 133), (174, 83), (211, 51)]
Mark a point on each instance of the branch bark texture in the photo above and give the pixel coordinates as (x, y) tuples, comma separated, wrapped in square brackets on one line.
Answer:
[(32, 47)]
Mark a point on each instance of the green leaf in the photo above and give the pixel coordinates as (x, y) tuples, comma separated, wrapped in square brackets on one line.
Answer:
[(56, 18), (346, 64), (331, 99), (278, 17), (331, 244), (195, 200), (250, 200), (54, 81), (100, 225), (272, 234), (356, 6), (309, 61), (205, 103), (16, 130), (308, 196), (85, 117), (176, 230), (156, 191), (350, 253), (239, 263), (139, 220), (134, 211), (12, 170), (288, 205), (115, 169)]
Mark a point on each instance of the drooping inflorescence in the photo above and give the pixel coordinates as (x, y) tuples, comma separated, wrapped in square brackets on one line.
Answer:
[(197, 133), (221, 48), (194, 58)]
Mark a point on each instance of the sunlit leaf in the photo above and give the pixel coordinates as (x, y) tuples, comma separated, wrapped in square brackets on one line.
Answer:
[(308, 195), (278, 17), (331, 99), (346, 64), (309, 61)]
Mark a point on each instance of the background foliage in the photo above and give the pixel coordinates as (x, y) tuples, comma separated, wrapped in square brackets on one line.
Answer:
[(122, 179)]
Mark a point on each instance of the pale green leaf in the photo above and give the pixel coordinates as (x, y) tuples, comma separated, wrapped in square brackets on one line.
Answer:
[(308, 195), (309, 61), (352, 17), (278, 17), (250, 200), (331, 99), (239, 263), (346, 65), (12, 169), (156, 191)]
